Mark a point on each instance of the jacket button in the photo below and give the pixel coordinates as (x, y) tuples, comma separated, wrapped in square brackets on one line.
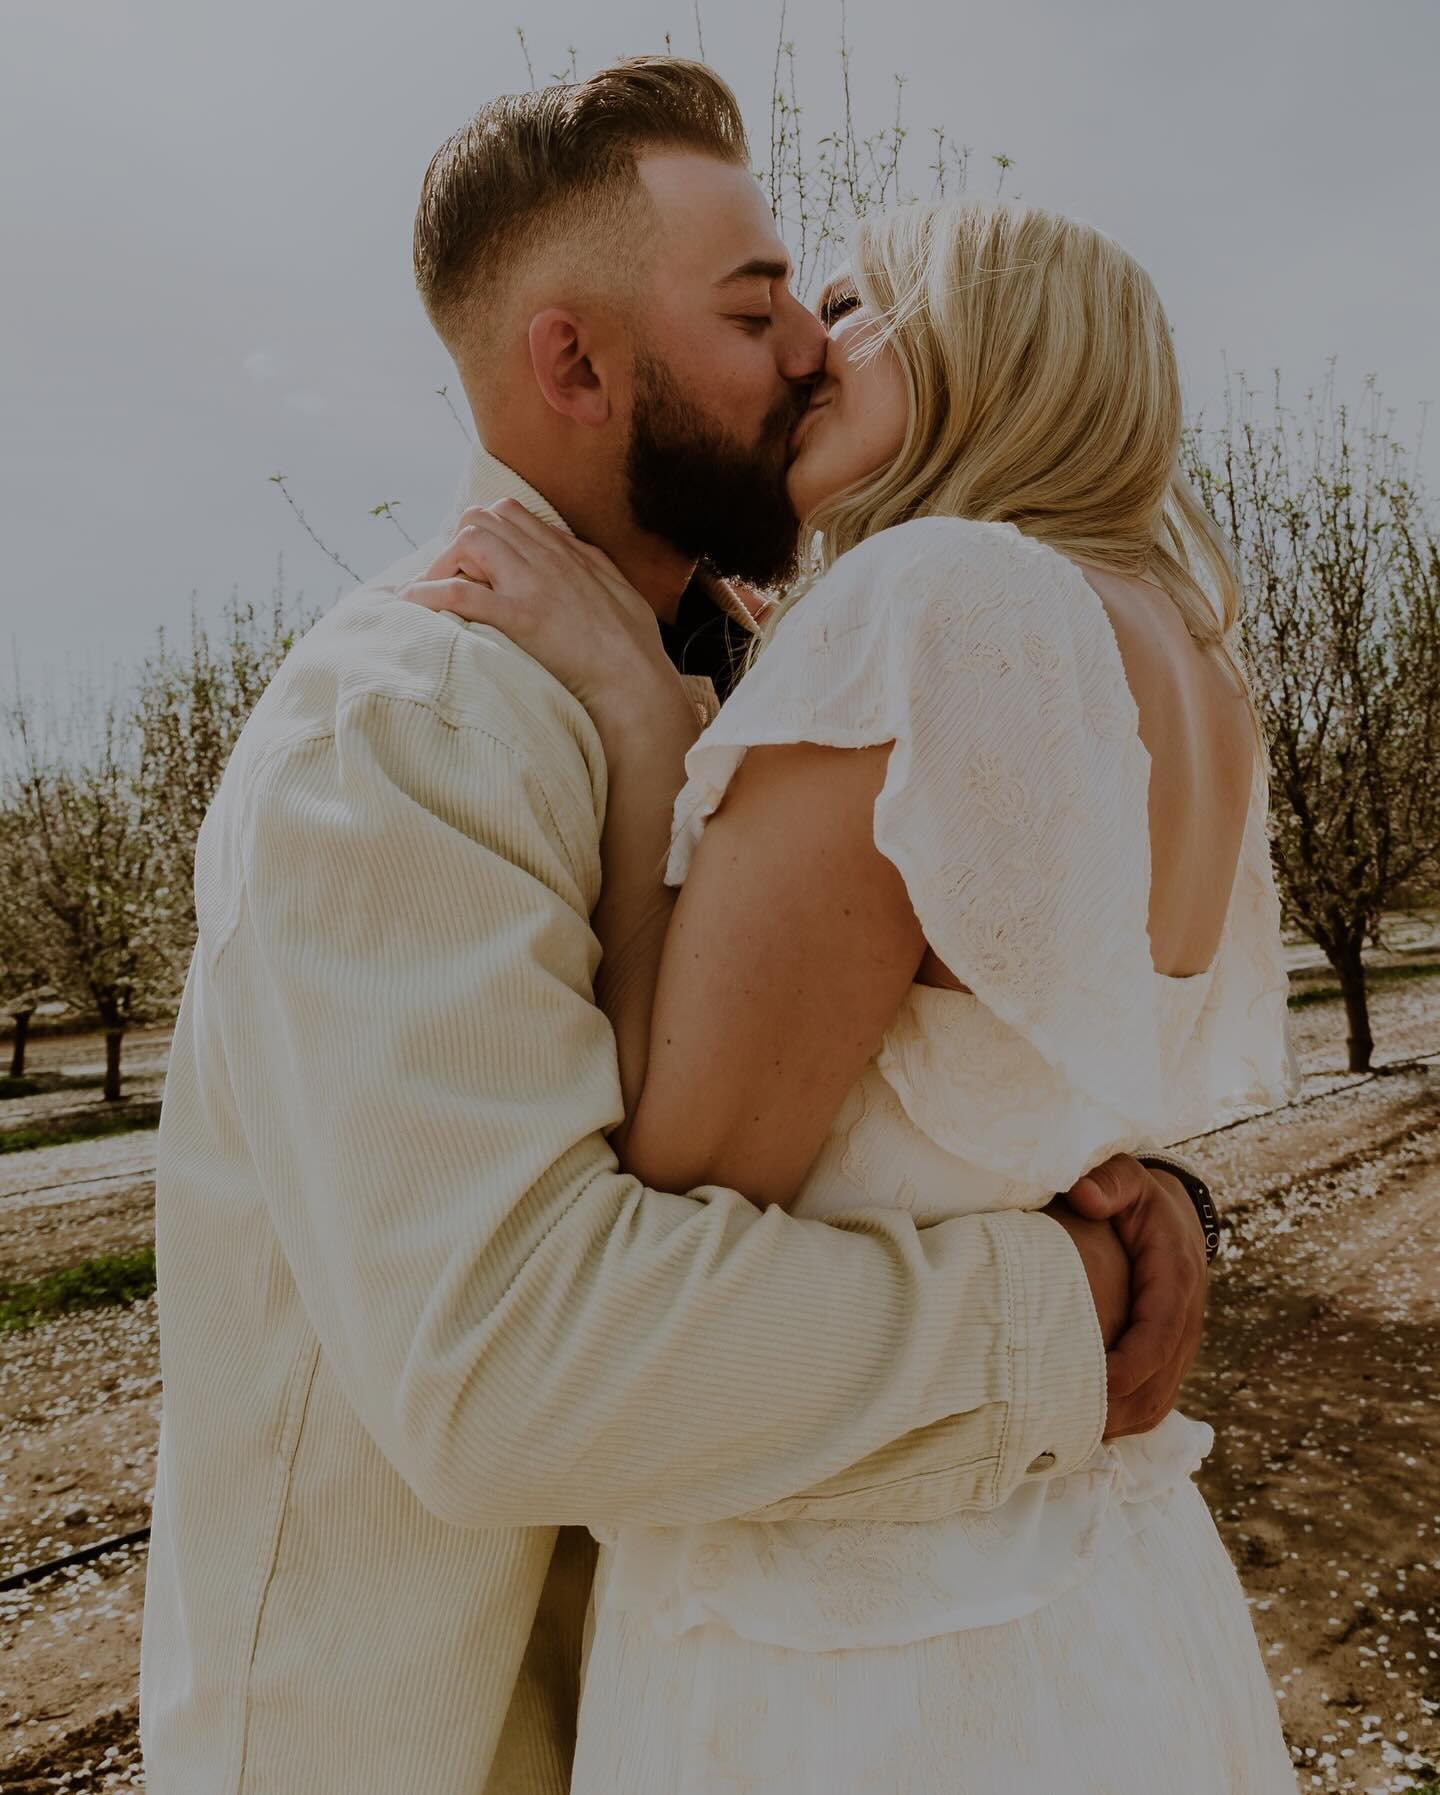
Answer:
[(1043, 1463)]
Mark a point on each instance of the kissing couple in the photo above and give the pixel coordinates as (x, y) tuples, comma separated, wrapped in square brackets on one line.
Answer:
[(662, 949)]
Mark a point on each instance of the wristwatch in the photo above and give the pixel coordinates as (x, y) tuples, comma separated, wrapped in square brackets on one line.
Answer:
[(1198, 1192)]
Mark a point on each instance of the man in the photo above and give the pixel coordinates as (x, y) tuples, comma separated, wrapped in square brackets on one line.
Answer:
[(417, 1329)]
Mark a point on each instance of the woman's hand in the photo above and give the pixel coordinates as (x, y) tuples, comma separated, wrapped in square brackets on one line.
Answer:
[(568, 605), (561, 600)]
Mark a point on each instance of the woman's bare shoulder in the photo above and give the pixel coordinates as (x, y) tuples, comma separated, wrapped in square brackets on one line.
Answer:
[(1168, 672)]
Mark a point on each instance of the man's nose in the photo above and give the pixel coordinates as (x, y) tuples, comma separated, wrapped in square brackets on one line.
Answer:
[(802, 358)]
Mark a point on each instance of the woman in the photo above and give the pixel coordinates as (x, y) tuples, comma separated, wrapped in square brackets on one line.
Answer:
[(976, 891)]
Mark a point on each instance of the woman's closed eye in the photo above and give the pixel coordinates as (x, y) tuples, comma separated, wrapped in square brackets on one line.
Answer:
[(835, 305)]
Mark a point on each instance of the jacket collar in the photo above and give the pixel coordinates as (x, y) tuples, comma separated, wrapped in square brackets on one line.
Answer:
[(487, 480)]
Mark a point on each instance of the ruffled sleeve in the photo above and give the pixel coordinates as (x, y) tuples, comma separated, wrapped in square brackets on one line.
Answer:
[(1014, 805)]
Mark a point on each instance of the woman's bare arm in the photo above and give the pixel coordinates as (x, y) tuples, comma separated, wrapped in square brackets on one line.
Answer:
[(790, 950), (567, 604), (645, 755)]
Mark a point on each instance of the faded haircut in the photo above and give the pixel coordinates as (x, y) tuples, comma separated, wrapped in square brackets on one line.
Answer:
[(555, 170)]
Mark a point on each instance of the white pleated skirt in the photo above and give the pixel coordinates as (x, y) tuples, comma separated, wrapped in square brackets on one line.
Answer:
[(1146, 1679)]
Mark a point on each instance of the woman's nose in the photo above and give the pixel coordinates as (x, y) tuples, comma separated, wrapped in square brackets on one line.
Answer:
[(828, 378)]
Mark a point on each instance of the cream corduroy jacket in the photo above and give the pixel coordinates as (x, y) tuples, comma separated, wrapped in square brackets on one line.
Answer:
[(416, 1327)]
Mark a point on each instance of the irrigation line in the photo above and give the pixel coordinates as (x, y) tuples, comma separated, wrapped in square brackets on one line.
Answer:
[(37, 1572), (41, 1190), (1387, 1070)]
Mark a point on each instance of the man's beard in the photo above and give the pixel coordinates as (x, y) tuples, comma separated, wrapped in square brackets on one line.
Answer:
[(694, 486)]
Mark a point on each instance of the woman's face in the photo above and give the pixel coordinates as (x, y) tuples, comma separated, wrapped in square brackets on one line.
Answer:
[(858, 412)]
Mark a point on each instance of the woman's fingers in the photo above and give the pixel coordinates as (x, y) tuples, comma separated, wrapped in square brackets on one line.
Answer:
[(578, 571), (486, 548), (565, 603), (544, 538), (560, 545), (549, 551), (469, 599), (547, 554)]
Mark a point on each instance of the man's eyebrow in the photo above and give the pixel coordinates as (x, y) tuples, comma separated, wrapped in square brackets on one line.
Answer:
[(758, 268)]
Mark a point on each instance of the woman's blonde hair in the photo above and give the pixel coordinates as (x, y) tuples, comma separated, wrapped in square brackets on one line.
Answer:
[(1044, 392)]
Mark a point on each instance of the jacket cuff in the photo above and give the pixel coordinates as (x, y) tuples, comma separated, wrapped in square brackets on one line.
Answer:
[(1057, 1409)]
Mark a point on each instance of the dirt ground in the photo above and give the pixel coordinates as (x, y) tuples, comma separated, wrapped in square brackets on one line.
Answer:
[(83, 1055), (1317, 1376)]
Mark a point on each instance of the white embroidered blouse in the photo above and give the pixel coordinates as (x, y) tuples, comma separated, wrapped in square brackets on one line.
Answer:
[(1015, 808)]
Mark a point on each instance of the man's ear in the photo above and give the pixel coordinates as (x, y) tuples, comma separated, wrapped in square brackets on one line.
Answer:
[(564, 371)]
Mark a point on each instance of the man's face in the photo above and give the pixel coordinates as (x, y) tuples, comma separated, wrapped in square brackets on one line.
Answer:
[(723, 368)]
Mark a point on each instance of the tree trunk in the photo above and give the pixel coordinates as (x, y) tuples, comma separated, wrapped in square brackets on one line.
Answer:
[(113, 1038), (1359, 1040), (22, 1034)]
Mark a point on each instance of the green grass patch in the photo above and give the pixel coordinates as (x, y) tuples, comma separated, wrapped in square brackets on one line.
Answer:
[(83, 1128), (18, 1087), (1377, 976), (117, 1278)]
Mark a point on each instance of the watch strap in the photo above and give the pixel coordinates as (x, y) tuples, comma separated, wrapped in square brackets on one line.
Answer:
[(1198, 1192)]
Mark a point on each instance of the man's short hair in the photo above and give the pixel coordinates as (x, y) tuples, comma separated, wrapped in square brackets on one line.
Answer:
[(531, 168)]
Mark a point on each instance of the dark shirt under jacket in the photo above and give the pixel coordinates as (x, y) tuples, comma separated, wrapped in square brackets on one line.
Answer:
[(704, 639)]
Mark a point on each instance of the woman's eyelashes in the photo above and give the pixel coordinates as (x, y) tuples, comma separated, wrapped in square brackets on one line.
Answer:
[(835, 305)]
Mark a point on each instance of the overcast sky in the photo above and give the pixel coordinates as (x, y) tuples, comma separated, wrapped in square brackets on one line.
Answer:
[(205, 218)]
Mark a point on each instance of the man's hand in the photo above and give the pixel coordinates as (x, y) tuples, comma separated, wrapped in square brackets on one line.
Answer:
[(1107, 1266), (1155, 1222)]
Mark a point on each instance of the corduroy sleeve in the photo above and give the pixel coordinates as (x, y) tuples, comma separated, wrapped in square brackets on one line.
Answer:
[(530, 1335)]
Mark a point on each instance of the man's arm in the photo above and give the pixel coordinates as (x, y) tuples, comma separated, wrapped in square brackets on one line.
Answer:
[(531, 1336)]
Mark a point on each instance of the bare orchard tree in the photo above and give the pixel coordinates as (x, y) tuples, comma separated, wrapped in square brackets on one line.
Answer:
[(84, 859), (1340, 561), (190, 706), (25, 944), (818, 188)]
